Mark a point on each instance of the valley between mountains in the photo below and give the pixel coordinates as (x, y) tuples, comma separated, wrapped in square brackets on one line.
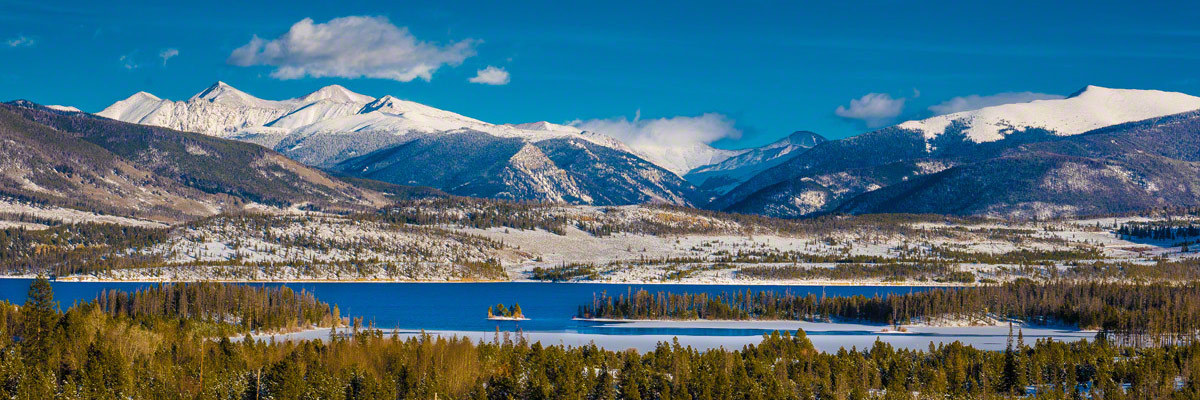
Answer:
[(337, 186)]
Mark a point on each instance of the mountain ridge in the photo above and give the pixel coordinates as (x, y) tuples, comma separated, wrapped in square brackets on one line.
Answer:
[(723, 176), (333, 125), (77, 160), (820, 179)]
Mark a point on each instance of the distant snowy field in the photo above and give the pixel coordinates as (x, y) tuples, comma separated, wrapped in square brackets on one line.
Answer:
[(291, 245)]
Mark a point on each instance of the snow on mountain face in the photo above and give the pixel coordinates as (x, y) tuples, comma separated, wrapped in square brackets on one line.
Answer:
[(796, 141), (222, 93), (136, 108), (221, 110), (421, 115), (318, 110), (725, 175), (1091, 108), (556, 130), (336, 93), (63, 108), (332, 126), (546, 126)]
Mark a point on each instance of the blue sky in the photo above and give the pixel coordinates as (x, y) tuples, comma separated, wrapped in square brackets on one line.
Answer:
[(767, 68)]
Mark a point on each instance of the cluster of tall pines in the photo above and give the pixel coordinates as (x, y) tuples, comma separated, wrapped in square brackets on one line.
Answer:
[(86, 352), (248, 308), (75, 248), (1159, 230)]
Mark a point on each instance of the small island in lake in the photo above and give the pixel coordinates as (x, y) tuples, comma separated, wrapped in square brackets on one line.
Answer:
[(502, 313)]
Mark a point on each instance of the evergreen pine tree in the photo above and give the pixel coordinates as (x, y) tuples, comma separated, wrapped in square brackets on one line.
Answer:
[(1008, 380), (39, 317)]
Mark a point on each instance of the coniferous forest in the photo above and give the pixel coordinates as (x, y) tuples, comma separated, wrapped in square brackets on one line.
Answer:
[(1130, 314), (114, 348)]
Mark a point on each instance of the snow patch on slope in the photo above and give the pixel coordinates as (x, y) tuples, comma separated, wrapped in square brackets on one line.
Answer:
[(63, 108), (1091, 108), (737, 169), (223, 111)]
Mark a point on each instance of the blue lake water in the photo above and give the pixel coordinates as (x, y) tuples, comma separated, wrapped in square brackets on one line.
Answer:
[(550, 307)]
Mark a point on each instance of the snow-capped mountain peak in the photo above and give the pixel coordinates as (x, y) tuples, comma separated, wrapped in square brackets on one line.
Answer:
[(413, 110), (334, 126), (141, 96), (336, 93), (804, 139), (546, 126), (386, 102), (136, 108), (1090, 108), (725, 175), (222, 93), (63, 108)]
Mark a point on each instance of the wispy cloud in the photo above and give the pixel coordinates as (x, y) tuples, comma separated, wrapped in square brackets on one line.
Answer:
[(490, 76), (873, 109), (166, 54), (128, 61), (20, 41), (975, 102), (351, 47), (666, 132), (669, 142)]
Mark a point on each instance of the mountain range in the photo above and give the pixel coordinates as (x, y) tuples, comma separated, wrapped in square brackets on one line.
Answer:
[(1012, 148), (408, 143), (1024, 160), (70, 159)]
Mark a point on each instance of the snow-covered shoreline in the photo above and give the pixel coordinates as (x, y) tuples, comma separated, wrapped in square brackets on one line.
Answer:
[(507, 319), (723, 282), (825, 336)]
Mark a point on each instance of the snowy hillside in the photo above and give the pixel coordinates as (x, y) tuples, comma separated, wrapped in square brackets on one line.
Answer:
[(1091, 108), (725, 175), (54, 158), (470, 239), (63, 108)]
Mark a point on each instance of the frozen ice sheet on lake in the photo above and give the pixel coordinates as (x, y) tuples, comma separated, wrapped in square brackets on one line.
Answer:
[(826, 337)]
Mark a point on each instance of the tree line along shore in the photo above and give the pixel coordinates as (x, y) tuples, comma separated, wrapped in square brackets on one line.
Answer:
[(171, 342), (1130, 314)]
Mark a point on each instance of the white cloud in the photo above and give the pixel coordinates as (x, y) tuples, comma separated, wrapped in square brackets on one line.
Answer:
[(874, 109), (975, 102), (350, 47), (166, 54), (20, 41), (490, 76), (676, 143), (667, 132)]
